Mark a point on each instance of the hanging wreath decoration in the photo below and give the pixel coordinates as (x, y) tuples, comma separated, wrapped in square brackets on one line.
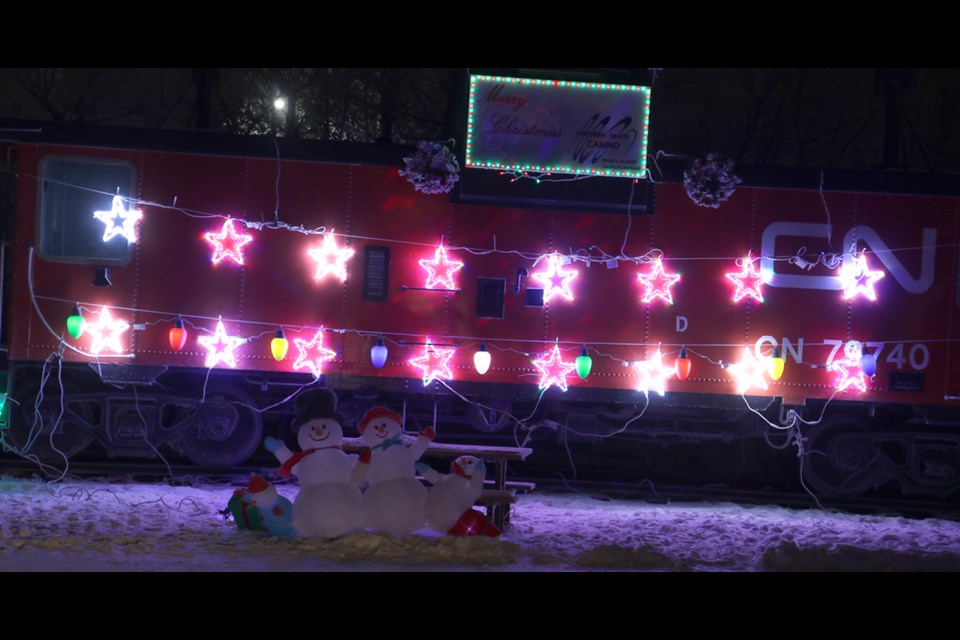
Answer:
[(711, 181), (433, 169)]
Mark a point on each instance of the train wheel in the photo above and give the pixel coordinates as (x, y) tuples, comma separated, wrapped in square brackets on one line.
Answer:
[(33, 423), (226, 429), (841, 460)]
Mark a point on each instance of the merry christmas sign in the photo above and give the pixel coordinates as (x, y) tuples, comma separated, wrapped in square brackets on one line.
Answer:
[(558, 127)]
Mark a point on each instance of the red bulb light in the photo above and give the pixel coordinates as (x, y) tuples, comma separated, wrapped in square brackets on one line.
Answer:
[(178, 336)]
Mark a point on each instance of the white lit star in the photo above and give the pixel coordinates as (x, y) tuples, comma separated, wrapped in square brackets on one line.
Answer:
[(554, 370), (435, 363), (313, 355), (221, 347), (654, 375), (857, 278), (749, 372), (119, 221), (228, 243), (658, 284), (331, 259), (441, 270), (555, 280), (106, 333)]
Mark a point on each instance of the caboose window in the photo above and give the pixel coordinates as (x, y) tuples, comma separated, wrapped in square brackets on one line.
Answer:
[(71, 191)]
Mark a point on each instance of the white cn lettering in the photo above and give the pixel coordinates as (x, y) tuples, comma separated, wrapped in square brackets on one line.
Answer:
[(682, 324), (863, 234)]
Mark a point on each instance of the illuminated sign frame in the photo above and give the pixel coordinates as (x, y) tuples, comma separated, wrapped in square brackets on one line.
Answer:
[(590, 105)]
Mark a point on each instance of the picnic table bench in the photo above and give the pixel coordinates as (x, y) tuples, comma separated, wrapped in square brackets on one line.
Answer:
[(500, 495)]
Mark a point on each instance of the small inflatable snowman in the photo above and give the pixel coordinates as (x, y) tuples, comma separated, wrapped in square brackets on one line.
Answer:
[(449, 506), (260, 508), (329, 503), (394, 501)]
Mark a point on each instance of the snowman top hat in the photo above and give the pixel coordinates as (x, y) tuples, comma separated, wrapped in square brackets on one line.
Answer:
[(317, 404)]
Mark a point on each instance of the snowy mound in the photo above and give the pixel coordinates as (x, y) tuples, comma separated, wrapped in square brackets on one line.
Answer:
[(137, 527)]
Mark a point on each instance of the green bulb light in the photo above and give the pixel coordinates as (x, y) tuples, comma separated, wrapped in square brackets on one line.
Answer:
[(76, 324)]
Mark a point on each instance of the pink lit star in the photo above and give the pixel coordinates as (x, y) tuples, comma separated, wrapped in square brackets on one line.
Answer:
[(228, 243), (857, 278), (128, 220), (749, 283), (658, 284), (221, 347), (106, 333), (435, 363), (654, 375), (313, 355), (331, 259), (555, 280), (554, 370), (849, 369), (440, 270)]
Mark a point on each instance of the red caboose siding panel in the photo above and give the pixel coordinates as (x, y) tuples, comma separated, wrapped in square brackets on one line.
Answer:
[(171, 273)]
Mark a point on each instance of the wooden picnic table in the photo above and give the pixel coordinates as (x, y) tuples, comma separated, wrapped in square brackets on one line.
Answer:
[(500, 499)]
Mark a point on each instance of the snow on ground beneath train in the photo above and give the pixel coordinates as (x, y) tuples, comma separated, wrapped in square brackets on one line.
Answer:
[(142, 527)]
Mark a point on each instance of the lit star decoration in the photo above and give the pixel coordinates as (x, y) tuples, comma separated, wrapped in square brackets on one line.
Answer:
[(849, 371), (658, 284), (749, 283), (221, 347), (331, 259), (106, 333), (554, 370), (228, 243), (435, 363), (313, 355), (555, 280), (857, 278), (119, 221), (440, 271), (654, 375), (749, 372)]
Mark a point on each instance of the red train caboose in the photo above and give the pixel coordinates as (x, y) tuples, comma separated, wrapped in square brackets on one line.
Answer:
[(216, 276)]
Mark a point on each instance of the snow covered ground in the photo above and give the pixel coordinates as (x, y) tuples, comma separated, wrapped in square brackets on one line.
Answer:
[(139, 527)]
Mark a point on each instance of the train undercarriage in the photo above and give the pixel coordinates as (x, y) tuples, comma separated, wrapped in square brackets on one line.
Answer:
[(218, 420)]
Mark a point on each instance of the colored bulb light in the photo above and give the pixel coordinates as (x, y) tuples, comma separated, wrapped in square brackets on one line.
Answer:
[(683, 366), (584, 364), (482, 360), (776, 366), (379, 354), (280, 346), (76, 324), (178, 336)]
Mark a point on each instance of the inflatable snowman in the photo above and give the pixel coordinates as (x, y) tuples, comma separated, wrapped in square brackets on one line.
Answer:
[(394, 501), (260, 508), (449, 506), (329, 503)]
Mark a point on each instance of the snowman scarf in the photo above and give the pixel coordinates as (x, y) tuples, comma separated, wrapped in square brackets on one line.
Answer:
[(287, 469)]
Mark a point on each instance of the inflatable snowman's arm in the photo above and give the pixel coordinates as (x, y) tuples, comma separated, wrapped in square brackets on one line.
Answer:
[(478, 478), (426, 437), (277, 448), (429, 474), (359, 475)]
